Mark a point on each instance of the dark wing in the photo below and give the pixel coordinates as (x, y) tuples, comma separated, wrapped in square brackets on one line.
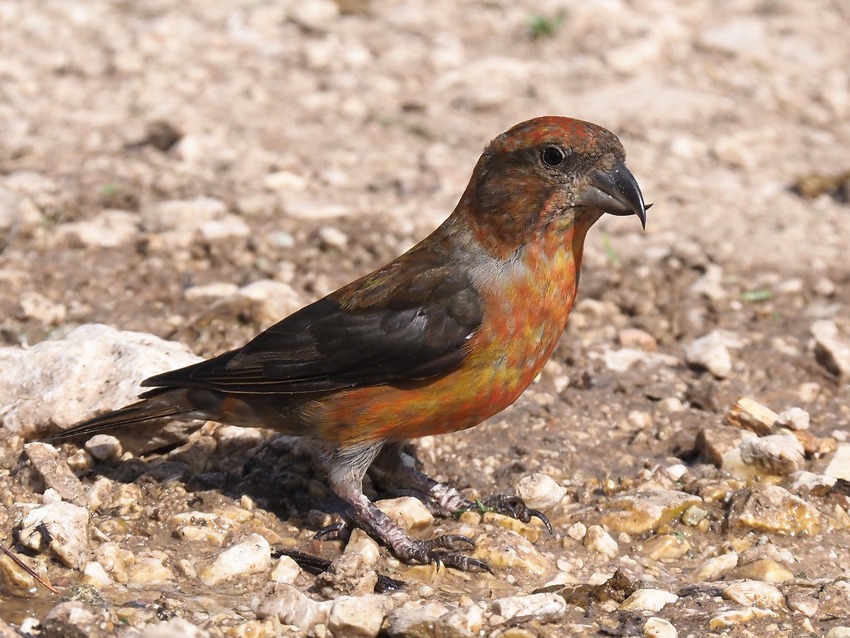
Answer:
[(418, 332)]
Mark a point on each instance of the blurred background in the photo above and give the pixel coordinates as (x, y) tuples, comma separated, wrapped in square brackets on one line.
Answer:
[(148, 148)]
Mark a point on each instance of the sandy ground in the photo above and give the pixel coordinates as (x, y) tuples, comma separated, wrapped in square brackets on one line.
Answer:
[(157, 159)]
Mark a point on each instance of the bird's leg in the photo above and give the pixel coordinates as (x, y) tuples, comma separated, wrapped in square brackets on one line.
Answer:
[(444, 500), (347, 467), (393, 466)]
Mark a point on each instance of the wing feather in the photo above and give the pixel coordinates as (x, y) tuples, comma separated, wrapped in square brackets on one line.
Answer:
[(414, 333)]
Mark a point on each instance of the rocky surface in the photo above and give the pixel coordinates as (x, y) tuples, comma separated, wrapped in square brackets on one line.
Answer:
[(174, 177)]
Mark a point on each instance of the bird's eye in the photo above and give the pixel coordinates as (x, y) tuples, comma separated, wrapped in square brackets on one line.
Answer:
[(553, 155)]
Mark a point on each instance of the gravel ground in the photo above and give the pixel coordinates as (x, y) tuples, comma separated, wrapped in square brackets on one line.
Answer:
[(188, 173)]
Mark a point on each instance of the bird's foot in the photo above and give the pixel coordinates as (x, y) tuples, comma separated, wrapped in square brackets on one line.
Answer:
[(443, 550), (413, 551), (444, 500), (409, 550), (512, 506)]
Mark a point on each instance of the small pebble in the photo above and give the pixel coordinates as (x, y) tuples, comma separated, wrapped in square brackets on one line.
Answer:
[(598, 540), (104, 447), (251, 556), (648, 600), (751, 415), (764, 570), (778, 454), (659, 628), (793, 419), (754, 593), (540, 491), (714, 568)]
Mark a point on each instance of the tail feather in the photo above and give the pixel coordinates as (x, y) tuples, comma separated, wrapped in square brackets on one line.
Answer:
[(164, 405)]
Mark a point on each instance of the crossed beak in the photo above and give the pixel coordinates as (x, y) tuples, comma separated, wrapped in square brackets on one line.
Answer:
[(614, 191)]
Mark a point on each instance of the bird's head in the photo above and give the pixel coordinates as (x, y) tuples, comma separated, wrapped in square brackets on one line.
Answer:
[(546, 174)]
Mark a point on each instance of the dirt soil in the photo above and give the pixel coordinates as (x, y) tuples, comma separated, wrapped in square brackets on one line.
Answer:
[(156, 158)]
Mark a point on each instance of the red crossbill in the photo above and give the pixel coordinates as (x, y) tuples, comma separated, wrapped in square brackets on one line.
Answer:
[(438, 340)]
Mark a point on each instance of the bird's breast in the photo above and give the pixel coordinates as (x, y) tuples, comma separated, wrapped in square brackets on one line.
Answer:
[(526, 304)]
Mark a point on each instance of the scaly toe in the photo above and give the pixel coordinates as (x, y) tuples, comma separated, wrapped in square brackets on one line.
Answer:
[(515, 507)]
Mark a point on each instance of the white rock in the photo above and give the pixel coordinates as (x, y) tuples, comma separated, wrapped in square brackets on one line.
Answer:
[(25, 198), (364, 546), (57, 475), (803, 603), (839, 632), (217, 290), (37, 307), (646, 510), (488, 83), (648, 600), (67, 527), (634, 56), (779, 454), (754, 593), (659, 628), (793, 419), (315, 15), (712, 352), (598, 540), (187, 215), (744, 36), (839, 465), (710, 284), (624, 358), (540, 491), (285, 571), (805, 484), (832, 348), (741, 616), (104, 447), (175, 627), (415, 618), (18, 212), (71, 613), (148, 571), (207, 527), (714, 568), (540, 607), (94, 574), (577, 531), (676, 471), (63, 381), (251, 556), (278, 299), (108, 229), (305, 208), (290, 607), (285, 180), (358, 615), (465, 622), (333, 237), (407, 511), (228, 227), (773, 509)]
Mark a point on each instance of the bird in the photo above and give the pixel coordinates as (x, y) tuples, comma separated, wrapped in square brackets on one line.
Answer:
[(438, 340)]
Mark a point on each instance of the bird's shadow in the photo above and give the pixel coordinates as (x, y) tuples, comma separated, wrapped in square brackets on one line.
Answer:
[(283, 475)]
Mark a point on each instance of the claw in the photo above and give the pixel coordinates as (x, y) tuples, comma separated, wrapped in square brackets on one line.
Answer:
[(464, 563), (542, 517), (337, 531), (514, 507), (447, 541)]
